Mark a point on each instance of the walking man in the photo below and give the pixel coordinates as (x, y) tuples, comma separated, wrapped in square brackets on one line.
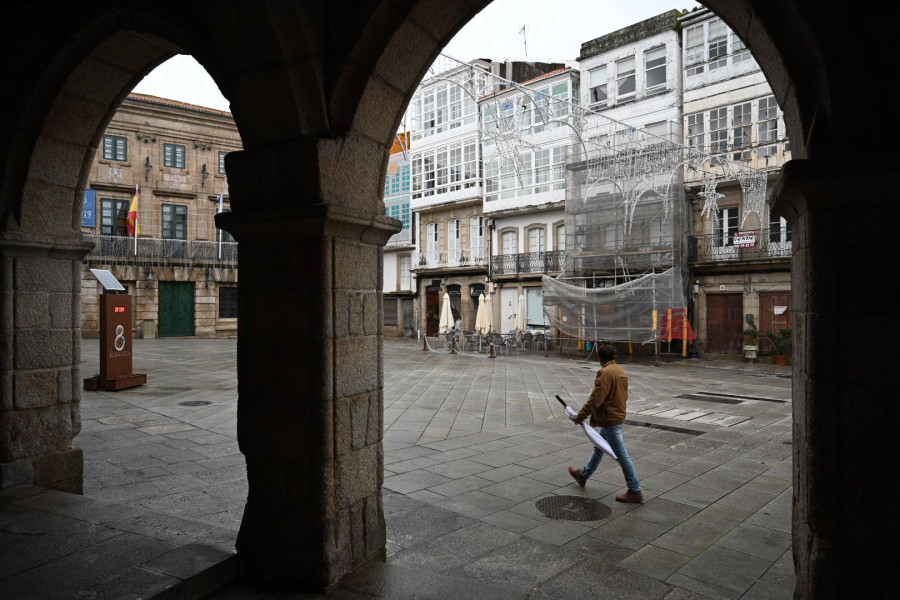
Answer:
[(606, 408)]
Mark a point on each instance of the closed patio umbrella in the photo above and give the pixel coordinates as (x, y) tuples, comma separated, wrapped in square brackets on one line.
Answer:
[(446, 321), (488, 314), (479, 316), (521, 320)]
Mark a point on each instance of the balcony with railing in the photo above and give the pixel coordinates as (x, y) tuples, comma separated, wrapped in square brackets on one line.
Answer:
[(455, 258), (158, 252), (528, 262), (751, 245)]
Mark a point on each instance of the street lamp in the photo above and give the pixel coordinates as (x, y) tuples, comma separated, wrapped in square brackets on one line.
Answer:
[(490, 257)]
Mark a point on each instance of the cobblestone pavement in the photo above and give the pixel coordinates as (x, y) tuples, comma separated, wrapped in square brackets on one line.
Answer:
[(472, 446)]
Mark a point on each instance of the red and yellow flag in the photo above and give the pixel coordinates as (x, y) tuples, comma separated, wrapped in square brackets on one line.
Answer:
[(134, 227)]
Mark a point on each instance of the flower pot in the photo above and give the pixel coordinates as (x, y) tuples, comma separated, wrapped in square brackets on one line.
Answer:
[(750, 352), (780, 359)]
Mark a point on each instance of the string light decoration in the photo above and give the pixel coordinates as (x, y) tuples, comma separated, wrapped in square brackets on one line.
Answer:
[(624, 192)]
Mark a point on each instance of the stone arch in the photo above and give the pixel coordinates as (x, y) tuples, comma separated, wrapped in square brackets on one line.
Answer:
[(324, 85)]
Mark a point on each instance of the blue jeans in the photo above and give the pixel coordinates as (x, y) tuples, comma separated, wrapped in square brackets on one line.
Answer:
[(613, 435)]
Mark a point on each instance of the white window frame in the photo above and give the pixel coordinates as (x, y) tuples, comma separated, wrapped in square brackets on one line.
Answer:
[(767, 126), (723, 237), (718, 130), (696, 131), (694, 48), (476, 237), (654, 64), (740, 52), (453, 239), (717, 44), (509, 242), (598, 85), (559, 237), (431, 238), (625, 78), (780, 234), (536, 239), (405, 265)]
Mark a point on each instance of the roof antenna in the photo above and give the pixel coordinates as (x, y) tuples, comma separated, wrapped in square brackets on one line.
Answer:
[(524, 40)]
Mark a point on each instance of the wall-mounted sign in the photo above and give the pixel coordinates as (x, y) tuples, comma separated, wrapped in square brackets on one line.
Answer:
[(89, 209), (745, 239)]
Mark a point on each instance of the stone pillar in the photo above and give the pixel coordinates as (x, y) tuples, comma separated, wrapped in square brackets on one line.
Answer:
[(843, 213), (40, 354), (309, 374)]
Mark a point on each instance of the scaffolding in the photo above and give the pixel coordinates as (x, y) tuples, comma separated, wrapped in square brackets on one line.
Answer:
[(625, 205)]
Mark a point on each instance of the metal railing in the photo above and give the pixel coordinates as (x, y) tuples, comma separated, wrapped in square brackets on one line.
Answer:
[(125, 250), (461, 257), (754, 244), (528, 262)]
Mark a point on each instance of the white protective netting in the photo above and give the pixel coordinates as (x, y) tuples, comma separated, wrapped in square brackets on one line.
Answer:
[(642, 310)]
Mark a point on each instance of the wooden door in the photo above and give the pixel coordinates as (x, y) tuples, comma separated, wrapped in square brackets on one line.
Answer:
[(176, 308), (724, 323), (774, 315)]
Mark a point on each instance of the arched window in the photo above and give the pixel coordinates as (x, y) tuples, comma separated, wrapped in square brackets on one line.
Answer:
[(509, 242), (537, 239), (559, 237)]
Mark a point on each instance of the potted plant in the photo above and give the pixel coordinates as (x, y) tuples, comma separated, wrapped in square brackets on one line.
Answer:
[(781, 345), (751, 334)]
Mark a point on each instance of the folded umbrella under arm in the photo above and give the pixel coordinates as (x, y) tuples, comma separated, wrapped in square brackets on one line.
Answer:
[(596, 439)]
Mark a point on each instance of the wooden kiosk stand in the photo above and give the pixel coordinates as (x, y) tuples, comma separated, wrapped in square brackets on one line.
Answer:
[(115, 338)]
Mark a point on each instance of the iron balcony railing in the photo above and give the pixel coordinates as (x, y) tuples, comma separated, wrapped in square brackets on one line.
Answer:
[(528, 262), (754, 244), (125, 250), (460, 257)]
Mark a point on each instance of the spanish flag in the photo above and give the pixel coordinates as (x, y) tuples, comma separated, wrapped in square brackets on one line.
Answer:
[(134, 227)]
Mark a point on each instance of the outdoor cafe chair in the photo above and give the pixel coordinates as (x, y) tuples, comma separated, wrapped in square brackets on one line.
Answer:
[(470, 340), (540, 341), (512, 341), (499, 343), (528, 341)]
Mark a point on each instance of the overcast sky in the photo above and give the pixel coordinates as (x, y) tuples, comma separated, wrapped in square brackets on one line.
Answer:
[(554, 31)]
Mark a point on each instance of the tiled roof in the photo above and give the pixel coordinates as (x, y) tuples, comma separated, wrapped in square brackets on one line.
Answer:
[(401, 142), (532, 80), (176, 104)]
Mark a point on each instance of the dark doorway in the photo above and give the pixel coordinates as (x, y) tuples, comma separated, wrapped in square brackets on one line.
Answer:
[(432, 311)]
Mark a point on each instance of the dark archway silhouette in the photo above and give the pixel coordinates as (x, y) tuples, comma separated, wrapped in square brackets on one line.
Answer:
[(320, 87)]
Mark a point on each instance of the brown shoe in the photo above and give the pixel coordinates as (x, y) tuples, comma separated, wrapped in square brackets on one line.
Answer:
[(577, 476), (629, 496)]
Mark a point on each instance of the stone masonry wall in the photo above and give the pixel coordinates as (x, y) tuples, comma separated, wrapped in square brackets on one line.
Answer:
[(40, 384)]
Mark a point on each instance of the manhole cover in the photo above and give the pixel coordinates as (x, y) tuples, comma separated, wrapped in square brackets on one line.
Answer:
[(194, 403), (573, 508)]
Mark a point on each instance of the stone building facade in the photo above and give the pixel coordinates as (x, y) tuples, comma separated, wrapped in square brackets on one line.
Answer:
[(180, 270), (740, 248)]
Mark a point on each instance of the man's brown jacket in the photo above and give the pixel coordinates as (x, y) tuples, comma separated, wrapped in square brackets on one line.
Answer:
[(606, 406)]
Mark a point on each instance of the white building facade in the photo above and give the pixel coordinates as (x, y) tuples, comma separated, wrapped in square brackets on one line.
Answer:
[(527, 133)]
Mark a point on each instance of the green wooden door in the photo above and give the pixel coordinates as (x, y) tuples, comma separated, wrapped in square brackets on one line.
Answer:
[(176, 308)]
